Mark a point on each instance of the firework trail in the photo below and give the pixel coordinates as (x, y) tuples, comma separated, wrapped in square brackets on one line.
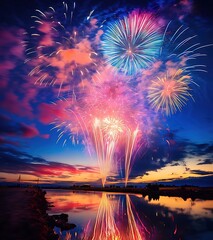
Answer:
[(73, 122), (106, 134), (182, 49), (132, 42), (130, 144), (101, 135)]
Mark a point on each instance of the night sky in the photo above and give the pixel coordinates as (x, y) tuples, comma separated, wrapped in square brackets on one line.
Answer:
[(178, 148)]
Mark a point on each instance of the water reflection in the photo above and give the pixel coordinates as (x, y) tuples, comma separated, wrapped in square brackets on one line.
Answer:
[(136, 228), (196, 209), (105, 225), (112, 216)]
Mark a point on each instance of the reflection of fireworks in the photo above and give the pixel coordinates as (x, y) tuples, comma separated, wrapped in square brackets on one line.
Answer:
[(134, 232), (105, 225), (132, 42), (170, 93)]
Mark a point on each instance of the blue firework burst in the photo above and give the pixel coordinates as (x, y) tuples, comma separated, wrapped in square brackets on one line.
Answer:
[(132, 43)]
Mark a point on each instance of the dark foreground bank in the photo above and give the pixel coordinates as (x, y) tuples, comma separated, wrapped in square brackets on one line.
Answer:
[(23, 215)]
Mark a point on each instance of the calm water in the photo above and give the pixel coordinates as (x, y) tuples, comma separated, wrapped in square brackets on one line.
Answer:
[(112, 216)]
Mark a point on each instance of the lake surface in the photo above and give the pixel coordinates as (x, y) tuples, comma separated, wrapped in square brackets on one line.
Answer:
[(115, 216)]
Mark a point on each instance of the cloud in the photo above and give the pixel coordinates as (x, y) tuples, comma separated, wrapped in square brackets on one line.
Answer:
[(4, 141), (11, 128), (199, 149), (11, 51), (13, 104), (172, 152), (205, 161), (171, 9), (164, 149), (79, 55), (202, 181), (18, 94), (17, 162), (175, 164), (10, 43), (28, 131), (49, 112), (201, 172), (209, 149), (17, 90), (73, 53)]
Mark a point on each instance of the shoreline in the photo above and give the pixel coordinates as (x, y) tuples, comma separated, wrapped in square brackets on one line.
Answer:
[(23, 214), (153, 192)]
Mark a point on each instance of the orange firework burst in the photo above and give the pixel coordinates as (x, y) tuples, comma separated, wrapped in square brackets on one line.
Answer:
[(170, 93)]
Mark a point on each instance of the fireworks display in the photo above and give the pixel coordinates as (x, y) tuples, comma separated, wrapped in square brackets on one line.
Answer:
[(114, 78), (59, 53), (132, 42)]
